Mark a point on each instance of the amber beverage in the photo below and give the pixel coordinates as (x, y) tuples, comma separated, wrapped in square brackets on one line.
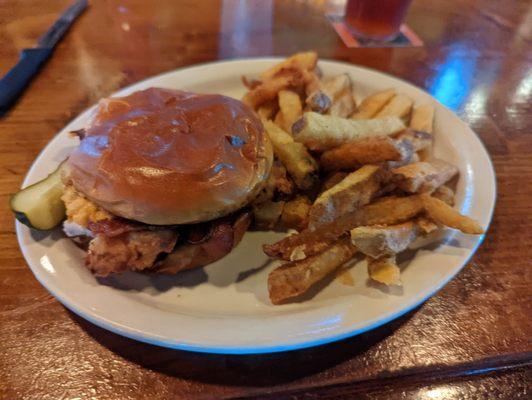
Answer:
[(376, 19)]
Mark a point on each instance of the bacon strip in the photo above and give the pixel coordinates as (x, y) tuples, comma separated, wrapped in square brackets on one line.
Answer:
[(114, 227), (224, 236)]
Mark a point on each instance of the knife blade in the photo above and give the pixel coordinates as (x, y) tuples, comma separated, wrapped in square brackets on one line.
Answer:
[(30, 61)]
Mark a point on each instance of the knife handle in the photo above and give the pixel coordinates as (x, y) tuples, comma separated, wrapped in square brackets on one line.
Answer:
[(18, 77)]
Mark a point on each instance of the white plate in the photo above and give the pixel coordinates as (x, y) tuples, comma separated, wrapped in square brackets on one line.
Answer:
[(224, 308)]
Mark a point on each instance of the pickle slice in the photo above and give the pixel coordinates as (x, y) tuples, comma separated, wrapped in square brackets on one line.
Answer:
[(39, 206)]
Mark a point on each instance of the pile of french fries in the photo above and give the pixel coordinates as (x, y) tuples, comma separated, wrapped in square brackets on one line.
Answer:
[(349, 179)]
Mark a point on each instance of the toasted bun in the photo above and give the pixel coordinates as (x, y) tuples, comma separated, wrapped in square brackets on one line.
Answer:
[(163, 157)]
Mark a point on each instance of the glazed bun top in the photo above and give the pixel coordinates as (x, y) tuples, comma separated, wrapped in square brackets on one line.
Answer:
[(164, 157)]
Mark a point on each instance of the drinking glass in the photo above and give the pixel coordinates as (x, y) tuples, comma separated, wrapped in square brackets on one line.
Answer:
[(376, 19)]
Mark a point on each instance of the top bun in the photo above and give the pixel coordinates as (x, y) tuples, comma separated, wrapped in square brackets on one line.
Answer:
[(164, 157)]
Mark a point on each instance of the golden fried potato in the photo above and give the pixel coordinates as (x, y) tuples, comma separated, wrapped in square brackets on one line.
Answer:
[(278, 186), (269, 89), (284, 186), (443, 214), (322, 132), (354, 191), (295, 278), (290, 107), (295, 213), (314, 82), (334, 95), (420, 140), (367, 151), (422, 118), (267, 214), (423, 177), (337, 86), (332, 180), (445, 194), (318, 101), (426, 225), (371, 105), (399, 106), (268, 110), (343, 106), (378, 241), (250, 83), (384, 211), (298, 162), (279, 119), (267, 191), (277, 135), (301, 166), (299, 61), (384, 270)]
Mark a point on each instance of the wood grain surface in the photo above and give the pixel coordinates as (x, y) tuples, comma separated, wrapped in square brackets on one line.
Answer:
[(470, 341)]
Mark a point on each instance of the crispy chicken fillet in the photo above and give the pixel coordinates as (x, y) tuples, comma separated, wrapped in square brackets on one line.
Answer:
[(120, 245), (134, 250)]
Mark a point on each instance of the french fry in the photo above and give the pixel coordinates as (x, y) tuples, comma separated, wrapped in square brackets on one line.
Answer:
[(409, 158), (268, 110), (302, 61), (426, 225), (333, 179), (422, 118), (399, 106), (267, 191), (371, 105), (445, 194), (277, 187), (277, 135), (355, 190), (337, 86), (334, 95), (379, 241), (267, 214), (284, 186), (318, 101), (384, 270), (414, 159), (279, 119), (422, 177), (290, 107), (343, 106), (297, 277), (322, 132), (314, 82), (269, 89), (295, 213), (298, 162), (250, 83), (444, 214), (385, 211), (420, 140), (367, 151)]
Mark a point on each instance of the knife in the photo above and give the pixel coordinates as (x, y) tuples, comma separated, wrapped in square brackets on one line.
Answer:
[(30, 60)]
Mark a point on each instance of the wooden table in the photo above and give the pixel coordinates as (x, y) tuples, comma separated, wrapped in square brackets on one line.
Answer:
[(472, 340)]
